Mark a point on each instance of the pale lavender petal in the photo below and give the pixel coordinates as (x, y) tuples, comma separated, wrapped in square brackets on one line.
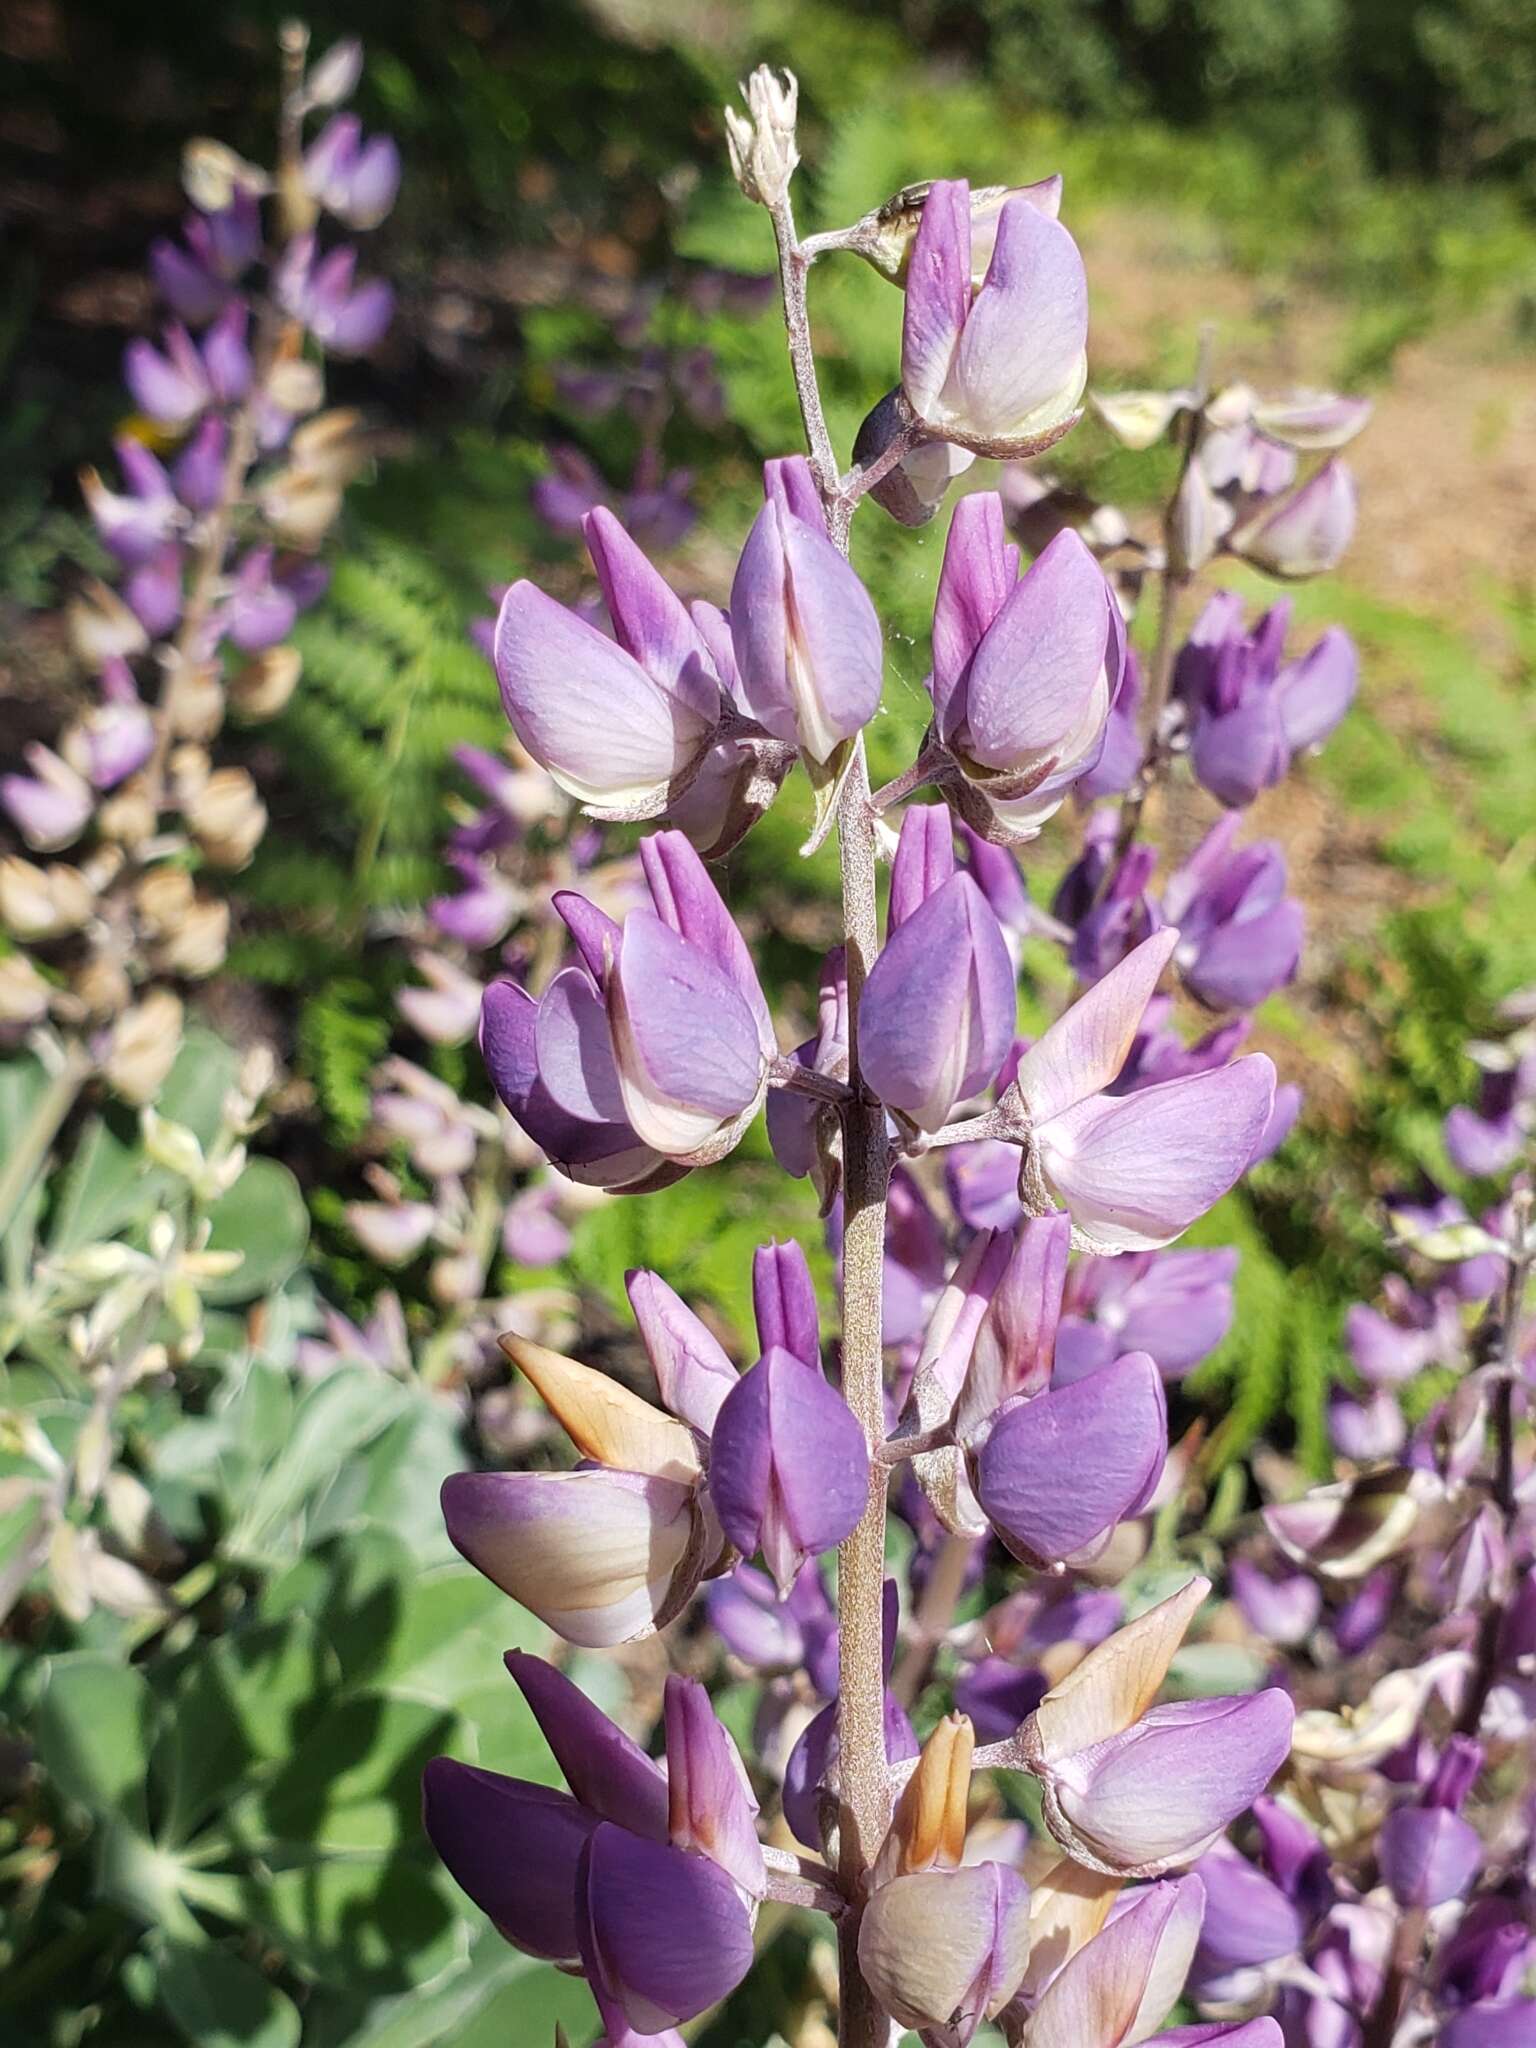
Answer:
[(938, 293), (574, 1051), (1308, 533), (711, 1806), (1020, 360), (1137, 1170), (1315, 692), (1428, 1855), (686, 1045), (1283, 1610), (693, 1373), (650, 622), (924, 860), (1041, 662), (1085, 1049), (938, 1011), (980, 569), (586, 710), (1248, 1918), (687, 900), (784, 1302)]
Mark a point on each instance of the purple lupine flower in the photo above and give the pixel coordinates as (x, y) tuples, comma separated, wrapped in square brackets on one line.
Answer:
[(52, 806), (945, 1949), (1307, 533), (1282, 1610), (620, 724), (1023, 670), (133, 524), (1239, 934), (346, 318), (114, 739), (354, 179), (773, 1634), (1134, 1171), (154, 592), (532, 1230), (198, 472), (938, 1010), (693, 1373), (1000, 370), (605, 1553), (1177, 1305), (789, 1465), (1250, 716), (793, 1120), (807, 639), (647, 1879), (1119, 917), (480, 912), (1250, 1922), (175, 386), (784, 1303), (811, 1775)]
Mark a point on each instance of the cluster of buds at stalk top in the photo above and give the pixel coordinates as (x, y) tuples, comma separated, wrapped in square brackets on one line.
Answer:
[(229, 477)]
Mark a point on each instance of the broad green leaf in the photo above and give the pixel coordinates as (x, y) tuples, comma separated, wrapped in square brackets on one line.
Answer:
[(245, 1703), (355, 1782), (220, 2001), (453, 1628), (263, 1217), (397, 1481), (195, 1089), (107, 1184), (330, 1426), (356, 1919), (92, 1729)]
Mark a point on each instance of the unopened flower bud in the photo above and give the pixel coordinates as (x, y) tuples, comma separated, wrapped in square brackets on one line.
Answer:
[(102, 627), (196, 703), (762, 141), (196, 948), (333, 77), (127, 817), (227, 817), (43, 903), (102, 985), (261, 688), (24, 994), (213, 175), (143, 1047)]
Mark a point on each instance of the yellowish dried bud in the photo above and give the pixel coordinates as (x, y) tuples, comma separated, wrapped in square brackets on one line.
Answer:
[(212, 173), (301, 506), (127, 816), (102, 986), (198, 946), (102, 627), (196, 705), (262, 688), (928, 1829), (24, 994), (227, 817), (603, 1420), (43, 903), (333, 444), (144, 1045), (163, 898), (295, 385)]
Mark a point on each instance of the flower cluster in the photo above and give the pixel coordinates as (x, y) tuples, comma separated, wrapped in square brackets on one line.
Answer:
[(1008, 1368), (229, 477)]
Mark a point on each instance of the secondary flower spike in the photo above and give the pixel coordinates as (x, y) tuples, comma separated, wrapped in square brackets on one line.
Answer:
[(1000, 370)]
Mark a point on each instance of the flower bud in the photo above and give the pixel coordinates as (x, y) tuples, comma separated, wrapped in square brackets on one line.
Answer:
[(102, 628), (197, 946), (999, 371), (333, 77), (1239, 934), (789, 1465), (447, 1010), (24, 993), (391, 1232), (807, 639), (762, 142), (1283, 1611), (693, 1373), (711, 1808), (261, 688), (227, 817), (143, 1046), (1139, 419), (43, 903), (938, 1010), (784, 1303)]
